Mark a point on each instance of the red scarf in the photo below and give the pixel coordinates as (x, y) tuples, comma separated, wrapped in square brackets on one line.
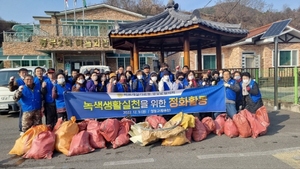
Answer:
[(194, 83)]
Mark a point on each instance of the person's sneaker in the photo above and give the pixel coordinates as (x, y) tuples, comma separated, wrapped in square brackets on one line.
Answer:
[(22, 133)]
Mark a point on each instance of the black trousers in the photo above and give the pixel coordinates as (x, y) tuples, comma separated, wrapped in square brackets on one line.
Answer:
[(50, 114), (63, 115)]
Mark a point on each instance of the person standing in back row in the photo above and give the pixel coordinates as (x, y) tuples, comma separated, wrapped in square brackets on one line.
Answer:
[(50, 106)]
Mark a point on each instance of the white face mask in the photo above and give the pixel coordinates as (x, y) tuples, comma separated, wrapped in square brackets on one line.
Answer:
[(237, 77), (167, 78), (245, 81), (94, 78), (61, 81), (103, 79), (154, 78), (81, 81), (87, 77), (221, 75), (191, 77), (139, 77)]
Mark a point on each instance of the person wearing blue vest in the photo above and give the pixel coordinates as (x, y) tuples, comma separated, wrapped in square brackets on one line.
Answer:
[(13, 85), (165, 84), (39, 78), (191, 81), (152, 85), (49, 105), (251, 93), (231, 88), (30, 99), (178, 84), (205, 81), (138, 85), (146, 73), (237, 76), (80, 82), (58, 94), (102, 83), (122, 85), (165, 67)]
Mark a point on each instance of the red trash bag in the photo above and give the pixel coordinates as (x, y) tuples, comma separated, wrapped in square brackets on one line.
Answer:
[(242, 124), (199, 132), (123, 137), (96, 139), (262, 116), (209, 124), (83, 125), (109, 129), (57, 125), (189, 133), (155, 120), (42, 146), (219, 122), (256, 127), (80, 144), (230, 128)]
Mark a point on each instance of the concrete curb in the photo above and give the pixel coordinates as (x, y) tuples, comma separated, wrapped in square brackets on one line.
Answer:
[(283, 105)]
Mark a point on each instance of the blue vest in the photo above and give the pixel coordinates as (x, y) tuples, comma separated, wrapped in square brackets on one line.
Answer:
[(230, 94), (180, 86), (81, 89), (60, 101), (48, 97), (31, 99), (171, 75), (257, 97), (104, 87), (20, 82), (154, 88), (37, 81), (166, 87), (140, 86), (120, 87), (185, 82)]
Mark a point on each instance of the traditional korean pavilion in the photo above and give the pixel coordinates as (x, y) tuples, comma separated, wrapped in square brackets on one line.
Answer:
[(174, 31)]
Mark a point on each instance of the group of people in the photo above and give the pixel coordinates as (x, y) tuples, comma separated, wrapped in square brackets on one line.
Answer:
[(44, 93)]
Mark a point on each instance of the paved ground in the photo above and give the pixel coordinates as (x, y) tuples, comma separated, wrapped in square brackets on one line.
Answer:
[(280, 148)]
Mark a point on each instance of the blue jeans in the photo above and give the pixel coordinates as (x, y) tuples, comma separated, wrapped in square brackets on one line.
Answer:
[(230, 110)]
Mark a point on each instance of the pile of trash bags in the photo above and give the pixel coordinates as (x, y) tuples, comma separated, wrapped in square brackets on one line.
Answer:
[(71, 138)]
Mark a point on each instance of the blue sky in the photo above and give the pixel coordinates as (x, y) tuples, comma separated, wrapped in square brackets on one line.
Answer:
[(22, 10)]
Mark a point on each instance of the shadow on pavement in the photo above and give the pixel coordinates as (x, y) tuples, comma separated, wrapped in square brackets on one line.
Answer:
[(275, 119)]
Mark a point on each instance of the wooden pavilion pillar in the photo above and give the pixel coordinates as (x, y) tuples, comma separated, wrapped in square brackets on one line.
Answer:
[(219, 52), (186, 49), (199, 56), (162, 55), (131, 57), (135, 57)]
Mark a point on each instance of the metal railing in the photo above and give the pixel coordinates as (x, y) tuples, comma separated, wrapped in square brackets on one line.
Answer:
[(283, 71), (67, 30)]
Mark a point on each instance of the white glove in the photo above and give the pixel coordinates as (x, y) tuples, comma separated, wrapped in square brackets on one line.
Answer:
[(150, 82), (190, 83), (227, 85), (20, 88), (11, 79), (203, 83), (213, 83)]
